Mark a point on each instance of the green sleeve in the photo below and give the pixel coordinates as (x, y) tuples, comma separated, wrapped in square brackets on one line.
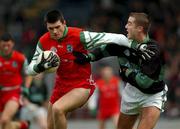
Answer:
[(139, 78), (82, 38), (36, 55), (38, 50), (40, 45)]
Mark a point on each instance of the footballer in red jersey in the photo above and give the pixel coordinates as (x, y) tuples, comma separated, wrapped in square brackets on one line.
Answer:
[(108, 94), (74, 84), (12, 65)]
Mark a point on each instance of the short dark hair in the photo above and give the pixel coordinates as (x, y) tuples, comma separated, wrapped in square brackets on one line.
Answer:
[(141, 19), (53, 16), (6, 37)]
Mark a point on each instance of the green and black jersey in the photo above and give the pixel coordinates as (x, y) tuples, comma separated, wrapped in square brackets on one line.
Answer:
[(147, 75)]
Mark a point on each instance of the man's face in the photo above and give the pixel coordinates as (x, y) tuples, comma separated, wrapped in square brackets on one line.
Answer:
[(6, 47), (56, 29), (131, 27), (107, 73)]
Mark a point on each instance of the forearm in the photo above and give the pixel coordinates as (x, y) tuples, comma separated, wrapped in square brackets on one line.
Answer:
[(97, 54), (138, 78), (32, 67), (93, 39), (106, 50), (28, 80)]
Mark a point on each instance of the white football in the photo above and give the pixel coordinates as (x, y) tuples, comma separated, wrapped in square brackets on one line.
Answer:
[(46, 54)]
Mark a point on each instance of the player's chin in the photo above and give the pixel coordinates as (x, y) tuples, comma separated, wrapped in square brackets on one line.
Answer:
[(6, 52), (55, 37), (129, 36)]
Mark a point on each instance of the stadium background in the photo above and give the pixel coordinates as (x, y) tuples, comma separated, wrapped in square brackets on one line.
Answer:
[(24, 20)]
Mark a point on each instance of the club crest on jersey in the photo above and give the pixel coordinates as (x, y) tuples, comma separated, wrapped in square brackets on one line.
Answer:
[(69, 48), (53, 49), (14, 64)]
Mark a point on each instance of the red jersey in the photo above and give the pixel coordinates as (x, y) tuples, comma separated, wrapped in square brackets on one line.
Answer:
[(11, 69), (69, 74), (109, 96)]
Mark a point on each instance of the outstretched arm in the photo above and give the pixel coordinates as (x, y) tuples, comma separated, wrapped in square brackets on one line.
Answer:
[(94, 39), (99, 53)]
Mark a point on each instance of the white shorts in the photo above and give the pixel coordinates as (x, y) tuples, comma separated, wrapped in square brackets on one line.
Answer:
[(133, 100)]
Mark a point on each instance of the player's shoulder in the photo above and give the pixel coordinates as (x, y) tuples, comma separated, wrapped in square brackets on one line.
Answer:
[(74, 30), (156, 47), (71, 29), (18, 55), (45, 37), (153, 42)]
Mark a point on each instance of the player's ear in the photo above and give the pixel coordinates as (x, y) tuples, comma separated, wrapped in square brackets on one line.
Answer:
[(140, 28), (64, 22), (13, 43)]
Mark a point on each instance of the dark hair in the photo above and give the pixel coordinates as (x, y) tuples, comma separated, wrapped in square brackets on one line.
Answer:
[(141, 19), (6, 37), (53, 16)]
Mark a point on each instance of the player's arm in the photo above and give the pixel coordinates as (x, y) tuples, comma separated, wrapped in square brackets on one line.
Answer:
[(27, 79), (99, 53), (148, 74), (137, 78), (92, 40), (145, 83), (35, 67), (107, 50), (32, 68)]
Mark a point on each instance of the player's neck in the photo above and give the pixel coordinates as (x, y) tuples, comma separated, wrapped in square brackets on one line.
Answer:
[(107, 80), (141, 38), (6, 55)]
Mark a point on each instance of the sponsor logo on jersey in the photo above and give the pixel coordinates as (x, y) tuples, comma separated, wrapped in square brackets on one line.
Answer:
[(69, 48), (14, 64), (53, 49)]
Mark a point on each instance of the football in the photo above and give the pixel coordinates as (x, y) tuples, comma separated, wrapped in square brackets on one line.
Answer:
[(46, 54)]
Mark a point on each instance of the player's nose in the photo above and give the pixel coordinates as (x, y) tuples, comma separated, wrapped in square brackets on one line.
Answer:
[(54, 30)]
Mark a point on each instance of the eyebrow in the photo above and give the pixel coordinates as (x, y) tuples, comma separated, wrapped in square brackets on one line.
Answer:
[(54, 27)]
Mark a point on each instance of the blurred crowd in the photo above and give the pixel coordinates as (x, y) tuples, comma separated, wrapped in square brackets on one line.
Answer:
[(24, 20)]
